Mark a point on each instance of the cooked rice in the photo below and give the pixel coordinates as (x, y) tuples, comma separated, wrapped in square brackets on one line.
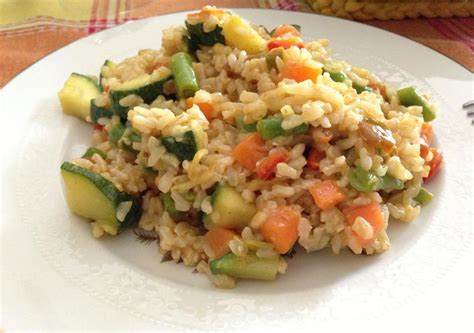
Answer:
[(239, 85)]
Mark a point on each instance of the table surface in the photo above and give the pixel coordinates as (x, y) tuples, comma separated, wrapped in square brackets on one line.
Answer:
[(29, 34)]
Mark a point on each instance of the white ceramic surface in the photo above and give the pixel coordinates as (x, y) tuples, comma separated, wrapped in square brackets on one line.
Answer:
[(56, 276)]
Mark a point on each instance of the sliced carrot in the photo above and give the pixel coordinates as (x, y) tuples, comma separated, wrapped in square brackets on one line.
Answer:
[(300, 72), (281, 228), (286, 29), (218, 239), (327, 194), (250, 151), (285, 42), (205, 108), (435, 163), (266, 167), (426, 133), (371, 213), (189, 102), (424, 148), (314, 157)]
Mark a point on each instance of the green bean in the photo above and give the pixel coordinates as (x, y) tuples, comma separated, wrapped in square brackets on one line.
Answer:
[(169, 206), (363, 180), (270, 127), (242, 126), (93, 150), (367, 181), (359, 88), (184, 76), (423, 197), (409, 97)]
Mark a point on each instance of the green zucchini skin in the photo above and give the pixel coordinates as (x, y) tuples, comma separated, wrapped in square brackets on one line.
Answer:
[(201, 38), (147, 92), (99, 112), (92, 196), (247, 267), (185, 149)]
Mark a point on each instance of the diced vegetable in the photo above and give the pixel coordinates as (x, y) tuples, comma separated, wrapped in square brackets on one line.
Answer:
[(426, 133), (286, 29), (284, 42), (423, 197), (367, 181), (247, 267), (205, 108), (141, 86), (108, 64), (92, 196), (218, 239), (270, 58), (281, 228), (360, 88), (377, 136), (435, 163), (184, 149), (242, 126), (169, 206), (314, 157), (116, 132), (388, 183), (198, 37), (229, 209), (93, 150), (249, 151), (266, 167), (409, 97), (371, 213), (327, 194), (363, 180), (270, 128), (299, 72), (338, 76), (238, 33), (76, 95), (98, 112), (184, 77)]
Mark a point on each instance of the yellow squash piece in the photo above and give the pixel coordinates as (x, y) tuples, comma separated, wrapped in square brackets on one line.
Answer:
[(238, 33)]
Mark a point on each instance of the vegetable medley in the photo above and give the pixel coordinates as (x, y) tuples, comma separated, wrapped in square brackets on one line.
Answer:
[(233, 145)]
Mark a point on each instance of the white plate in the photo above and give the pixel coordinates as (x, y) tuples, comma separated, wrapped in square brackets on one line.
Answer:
[(56, 276)]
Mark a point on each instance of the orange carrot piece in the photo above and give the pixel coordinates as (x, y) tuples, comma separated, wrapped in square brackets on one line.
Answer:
[(218, 239), (426, 133), (281, 228), (266, 167), (300, 73), (250, 151), (314, 157), (286, 29), (189, 102), (327, 194), (205, 108), (371, 213), (285, 42), (435, 163)]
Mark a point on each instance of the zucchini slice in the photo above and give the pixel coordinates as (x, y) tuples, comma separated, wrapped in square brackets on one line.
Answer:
[(92, 196), (229, 209), (184, 149), (247, 267), (76, 95), (140, 86), (99, 112), (108, 64), (201, 38)]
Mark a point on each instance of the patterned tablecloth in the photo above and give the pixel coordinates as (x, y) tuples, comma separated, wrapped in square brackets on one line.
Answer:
[(30, 29)]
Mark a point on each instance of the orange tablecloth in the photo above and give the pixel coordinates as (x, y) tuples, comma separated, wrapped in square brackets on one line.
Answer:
[(30, 29)]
